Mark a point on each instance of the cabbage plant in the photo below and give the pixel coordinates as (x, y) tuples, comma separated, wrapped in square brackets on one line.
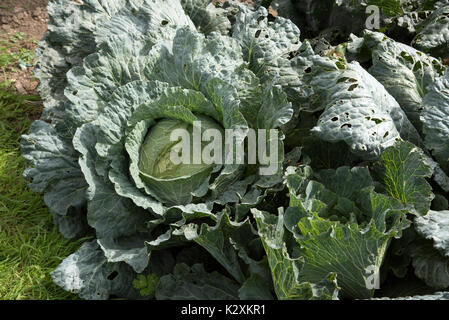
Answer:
[(356, 206), (104, 158)]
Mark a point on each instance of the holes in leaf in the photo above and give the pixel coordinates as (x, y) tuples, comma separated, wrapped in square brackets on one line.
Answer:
[(164, 22), (334, 119), (375, 120), (346, 125), (257, 34), (386, 134), (353, 87), (260, 19), (308, 70), (407, 57), (346, 79), (113, 275), (340, 65), (422, 15), (75, 92), (417, 66)]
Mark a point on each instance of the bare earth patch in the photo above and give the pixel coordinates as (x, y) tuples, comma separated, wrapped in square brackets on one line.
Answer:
[(29, 19)]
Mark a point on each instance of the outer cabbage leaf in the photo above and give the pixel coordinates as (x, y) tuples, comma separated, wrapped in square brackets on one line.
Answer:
[(55, 171), (289, 282), (267, 46), (430, 265), (208, 16), (433, 33), (255, 289), (88, 273), (194, 283), (404, 172), (346, 231), (404, 71), (435, 226), (222, 241), (68, 40), (435, 119), (358, 109), (148, 21), (335, 19)]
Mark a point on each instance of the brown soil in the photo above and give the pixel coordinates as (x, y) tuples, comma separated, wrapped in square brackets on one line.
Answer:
[(29, 17)]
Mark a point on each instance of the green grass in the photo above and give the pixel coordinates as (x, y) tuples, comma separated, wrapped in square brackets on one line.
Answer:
[(13, 55), (30, 245)]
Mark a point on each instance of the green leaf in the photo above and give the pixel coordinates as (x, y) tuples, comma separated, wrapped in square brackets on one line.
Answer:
[(345, 231), (358, 109), (145, 21), (111, 215), (116, 63), (255, 288), (430, 265), (289, 283), (346, 182), (267, 45), (435, 226), (405, 170), (433, 34), (146, 284), (194, 283), (207, 16), (353, 254), (69, 39), (435, 118), (221, 241), (404, 71), (88, 273), (55, 171)]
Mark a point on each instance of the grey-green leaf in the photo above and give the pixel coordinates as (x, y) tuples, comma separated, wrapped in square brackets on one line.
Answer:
[(194, 283), (88, 274), (435, 226), (435, 118)]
